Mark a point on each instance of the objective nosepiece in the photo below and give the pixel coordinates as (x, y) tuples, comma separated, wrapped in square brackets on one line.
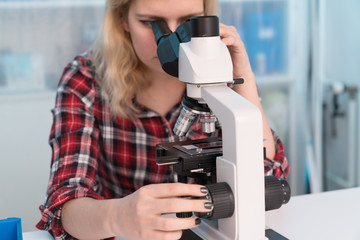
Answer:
[(186, 119)]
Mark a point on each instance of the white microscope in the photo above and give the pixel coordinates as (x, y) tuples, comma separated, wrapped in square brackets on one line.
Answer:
[(233, 164)]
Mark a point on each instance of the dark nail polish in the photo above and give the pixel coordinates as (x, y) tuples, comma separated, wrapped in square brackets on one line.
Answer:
[(197, 221), (208, 205), (204, 190)]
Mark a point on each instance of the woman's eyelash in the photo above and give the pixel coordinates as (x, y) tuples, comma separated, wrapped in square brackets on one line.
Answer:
[(146, 22), (149, 22)]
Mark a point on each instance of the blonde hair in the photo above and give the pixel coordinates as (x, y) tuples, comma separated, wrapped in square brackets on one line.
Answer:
[(118, 69)]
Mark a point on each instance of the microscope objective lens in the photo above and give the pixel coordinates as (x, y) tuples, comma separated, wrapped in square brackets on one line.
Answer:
[(184, 122)]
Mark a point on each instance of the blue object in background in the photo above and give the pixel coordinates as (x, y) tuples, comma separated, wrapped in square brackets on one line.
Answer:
[(10, 229), (17, 67), (263, 35)]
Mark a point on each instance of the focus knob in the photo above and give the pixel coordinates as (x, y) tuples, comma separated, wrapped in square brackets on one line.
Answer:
[(277, 192), (221, 196)]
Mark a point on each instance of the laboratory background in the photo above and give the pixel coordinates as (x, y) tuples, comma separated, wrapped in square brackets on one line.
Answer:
[(305, 55)]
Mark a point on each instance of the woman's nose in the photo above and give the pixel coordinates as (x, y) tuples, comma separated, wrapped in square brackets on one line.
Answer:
[(172, 25)]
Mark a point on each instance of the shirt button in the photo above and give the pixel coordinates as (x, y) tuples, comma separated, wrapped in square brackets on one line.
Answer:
[(166, 130)]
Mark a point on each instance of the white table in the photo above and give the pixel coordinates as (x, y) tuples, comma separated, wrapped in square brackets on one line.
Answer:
[(330, 215), (37, 235)]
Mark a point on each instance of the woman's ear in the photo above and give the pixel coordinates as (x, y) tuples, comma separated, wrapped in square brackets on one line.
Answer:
[(125, 24)]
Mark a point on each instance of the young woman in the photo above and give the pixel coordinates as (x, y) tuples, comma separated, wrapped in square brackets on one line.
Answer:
[(113, 105)]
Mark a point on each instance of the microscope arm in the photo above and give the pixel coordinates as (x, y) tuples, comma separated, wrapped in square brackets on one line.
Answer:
[(241, 165)]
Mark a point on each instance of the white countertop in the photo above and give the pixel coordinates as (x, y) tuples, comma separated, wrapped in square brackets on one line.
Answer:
[(37, 235), (330, 215)]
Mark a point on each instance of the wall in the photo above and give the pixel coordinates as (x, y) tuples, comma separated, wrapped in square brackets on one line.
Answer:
[(341, 64), (37, 39), (24, 155)]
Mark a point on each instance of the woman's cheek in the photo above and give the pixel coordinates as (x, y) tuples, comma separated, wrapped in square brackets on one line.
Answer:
[(145, 46)]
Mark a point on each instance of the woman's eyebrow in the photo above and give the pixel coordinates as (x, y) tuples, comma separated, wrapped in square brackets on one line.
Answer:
[(154, 17), (146, 16)]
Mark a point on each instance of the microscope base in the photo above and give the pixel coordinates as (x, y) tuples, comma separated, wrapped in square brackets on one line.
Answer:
[(190, 235), (269, 233), (272, 235)]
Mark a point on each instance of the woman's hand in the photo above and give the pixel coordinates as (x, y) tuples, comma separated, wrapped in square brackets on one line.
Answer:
[(140, 214), (240, 59), (242, 69)]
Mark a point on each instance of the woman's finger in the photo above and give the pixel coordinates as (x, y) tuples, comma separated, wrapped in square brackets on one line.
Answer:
[(168, 190), (157, 234), (174, 224), (227, 30), (176, 205), (240, 59), (230, 36)]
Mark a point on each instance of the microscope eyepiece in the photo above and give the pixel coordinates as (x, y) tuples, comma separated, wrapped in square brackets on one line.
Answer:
[(204, 26), (161, 30), (168, 44)]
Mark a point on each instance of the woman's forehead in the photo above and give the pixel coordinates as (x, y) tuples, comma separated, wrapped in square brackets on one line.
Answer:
[(167, 8)]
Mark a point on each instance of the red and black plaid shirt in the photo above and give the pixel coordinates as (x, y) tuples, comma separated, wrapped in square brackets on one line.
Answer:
[(97, 155)]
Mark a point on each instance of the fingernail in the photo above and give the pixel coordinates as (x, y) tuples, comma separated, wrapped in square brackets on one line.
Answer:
[(208, 205), (204, 190), (197, 221)]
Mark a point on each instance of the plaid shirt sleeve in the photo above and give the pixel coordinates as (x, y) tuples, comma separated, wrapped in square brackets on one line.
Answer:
[(74, 142), (278, 166)]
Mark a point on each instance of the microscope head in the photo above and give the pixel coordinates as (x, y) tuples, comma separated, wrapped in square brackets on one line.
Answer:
[(197, 32)]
